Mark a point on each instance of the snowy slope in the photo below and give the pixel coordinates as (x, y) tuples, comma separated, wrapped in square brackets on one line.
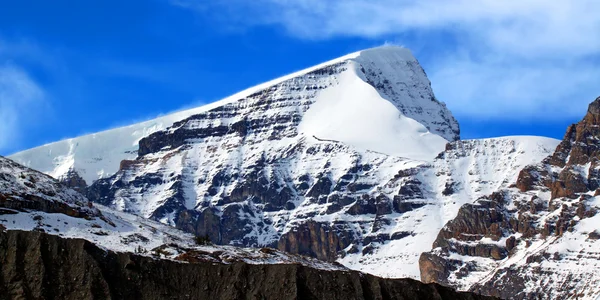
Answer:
[(470, 169), (464, 172), (107, 228), (403, 83), (353, 112), (535, 239)]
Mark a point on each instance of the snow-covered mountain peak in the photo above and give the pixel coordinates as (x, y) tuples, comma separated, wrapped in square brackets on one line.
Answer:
[(384, 103), (381, 90), (399, 78)]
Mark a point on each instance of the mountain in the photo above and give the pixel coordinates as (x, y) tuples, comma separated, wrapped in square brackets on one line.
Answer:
[(336, 90), (352, 161), (537, 238), (54, 244)]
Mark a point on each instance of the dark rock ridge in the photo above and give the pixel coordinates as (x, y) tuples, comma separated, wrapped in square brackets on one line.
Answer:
[(550, 206), (36, 265), (23, 189), (578, 149), (74, 181)]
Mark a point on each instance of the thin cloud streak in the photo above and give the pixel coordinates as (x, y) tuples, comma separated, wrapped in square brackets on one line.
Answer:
[(20, 96)]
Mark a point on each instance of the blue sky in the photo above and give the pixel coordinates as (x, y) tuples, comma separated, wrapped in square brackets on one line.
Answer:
[(73, 67)]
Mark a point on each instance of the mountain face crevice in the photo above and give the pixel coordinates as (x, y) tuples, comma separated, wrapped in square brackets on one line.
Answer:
[(536, 238), (35, 265)]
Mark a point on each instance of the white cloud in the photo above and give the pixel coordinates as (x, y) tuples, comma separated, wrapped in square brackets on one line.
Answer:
[(20, 97), (499, 90), (506, 58), (512, 25)]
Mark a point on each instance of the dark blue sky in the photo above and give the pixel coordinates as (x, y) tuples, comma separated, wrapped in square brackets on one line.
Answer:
[(101, 64)]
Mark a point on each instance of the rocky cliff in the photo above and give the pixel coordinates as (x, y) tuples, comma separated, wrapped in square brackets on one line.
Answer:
[(537, 239), (36, 265)]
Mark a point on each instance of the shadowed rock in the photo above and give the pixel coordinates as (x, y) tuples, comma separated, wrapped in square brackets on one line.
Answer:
[(36, 265)]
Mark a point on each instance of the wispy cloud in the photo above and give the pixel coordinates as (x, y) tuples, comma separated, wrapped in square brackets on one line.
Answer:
[(23, 101), (20, 97), (503, 59)]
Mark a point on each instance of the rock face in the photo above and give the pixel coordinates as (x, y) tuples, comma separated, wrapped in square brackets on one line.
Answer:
[(23, 189), (74, 181), (36, 265), (535, 239)]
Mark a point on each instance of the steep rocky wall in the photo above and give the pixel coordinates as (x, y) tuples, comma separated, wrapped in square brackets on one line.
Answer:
[(22, 188), (36, 265), (537, 239)]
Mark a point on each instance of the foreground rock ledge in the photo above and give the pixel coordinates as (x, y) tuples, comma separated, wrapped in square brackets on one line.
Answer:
[(35, 265)]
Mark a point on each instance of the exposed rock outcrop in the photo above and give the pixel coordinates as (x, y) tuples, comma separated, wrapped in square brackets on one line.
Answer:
[(24, 189), (316, 240), (36, 265), (532, 240), (74, 181)]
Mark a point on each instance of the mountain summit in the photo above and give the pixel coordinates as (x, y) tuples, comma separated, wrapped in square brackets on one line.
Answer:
[(378, 99)]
